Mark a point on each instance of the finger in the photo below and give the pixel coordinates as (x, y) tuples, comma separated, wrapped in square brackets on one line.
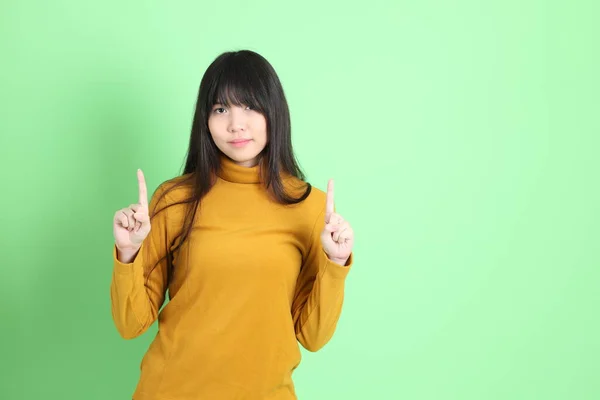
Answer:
[(121, 219), (130, 224), (336, 219), (143, 191), (139, 209), (329, 206), (141, 217), (332, 227), (138, 216), (341, 228), (345, 235), (336, 236)]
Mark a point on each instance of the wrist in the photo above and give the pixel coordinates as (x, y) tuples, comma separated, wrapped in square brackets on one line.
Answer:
[(126, 256), (341, 261)]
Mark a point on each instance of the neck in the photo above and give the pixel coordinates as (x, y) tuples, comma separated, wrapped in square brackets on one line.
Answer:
[(245, 172), (248, 164)]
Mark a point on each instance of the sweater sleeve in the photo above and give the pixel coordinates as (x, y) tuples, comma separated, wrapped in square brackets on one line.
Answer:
[(319, 294), (137, 289)]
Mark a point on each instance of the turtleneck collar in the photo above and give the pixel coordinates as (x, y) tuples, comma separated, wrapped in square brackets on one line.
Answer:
[(232, 172)]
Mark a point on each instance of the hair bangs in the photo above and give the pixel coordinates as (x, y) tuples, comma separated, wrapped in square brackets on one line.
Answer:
[(240, 85)]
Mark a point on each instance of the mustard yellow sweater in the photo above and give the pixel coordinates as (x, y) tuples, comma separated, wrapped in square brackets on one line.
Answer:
[(250, 283)]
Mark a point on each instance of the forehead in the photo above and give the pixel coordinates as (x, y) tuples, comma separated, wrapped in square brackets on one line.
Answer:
[(231, 93)]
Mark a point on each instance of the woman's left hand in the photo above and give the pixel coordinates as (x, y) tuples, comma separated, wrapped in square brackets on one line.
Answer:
[(337, 236)]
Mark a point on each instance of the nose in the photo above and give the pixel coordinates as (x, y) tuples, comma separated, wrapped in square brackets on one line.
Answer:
[(237, 120)]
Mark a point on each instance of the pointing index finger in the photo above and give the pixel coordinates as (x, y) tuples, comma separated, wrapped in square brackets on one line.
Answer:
[(329, 208), (143, 191)]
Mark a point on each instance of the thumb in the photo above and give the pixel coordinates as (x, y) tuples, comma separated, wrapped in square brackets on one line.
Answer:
[(332, 227), (141, 217)]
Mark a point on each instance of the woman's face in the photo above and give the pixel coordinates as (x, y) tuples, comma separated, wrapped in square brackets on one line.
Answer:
[(239, 132)]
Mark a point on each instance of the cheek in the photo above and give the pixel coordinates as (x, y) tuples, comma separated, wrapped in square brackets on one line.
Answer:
[(262, 127), (214, 127)]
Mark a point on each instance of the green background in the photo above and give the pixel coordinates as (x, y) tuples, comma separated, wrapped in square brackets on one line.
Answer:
[(462, 136)]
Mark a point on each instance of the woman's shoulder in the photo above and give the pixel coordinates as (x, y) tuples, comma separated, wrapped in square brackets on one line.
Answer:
[(314, 202), (176, 189)]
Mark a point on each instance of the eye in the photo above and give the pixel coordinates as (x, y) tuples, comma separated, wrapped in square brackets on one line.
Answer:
[(219, 110)]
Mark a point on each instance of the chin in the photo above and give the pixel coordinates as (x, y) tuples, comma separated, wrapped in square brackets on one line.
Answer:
[(246, 157)]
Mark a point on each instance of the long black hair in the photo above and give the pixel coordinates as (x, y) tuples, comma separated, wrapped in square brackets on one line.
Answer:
[(239, 78)]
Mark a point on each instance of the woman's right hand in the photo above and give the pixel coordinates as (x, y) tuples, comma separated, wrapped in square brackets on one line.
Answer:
[(131, 225)]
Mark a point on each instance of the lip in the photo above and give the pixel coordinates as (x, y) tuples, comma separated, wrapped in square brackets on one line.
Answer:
[(240, 142)]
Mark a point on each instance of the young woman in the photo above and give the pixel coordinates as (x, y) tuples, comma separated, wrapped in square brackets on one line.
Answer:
[(254, 259)]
